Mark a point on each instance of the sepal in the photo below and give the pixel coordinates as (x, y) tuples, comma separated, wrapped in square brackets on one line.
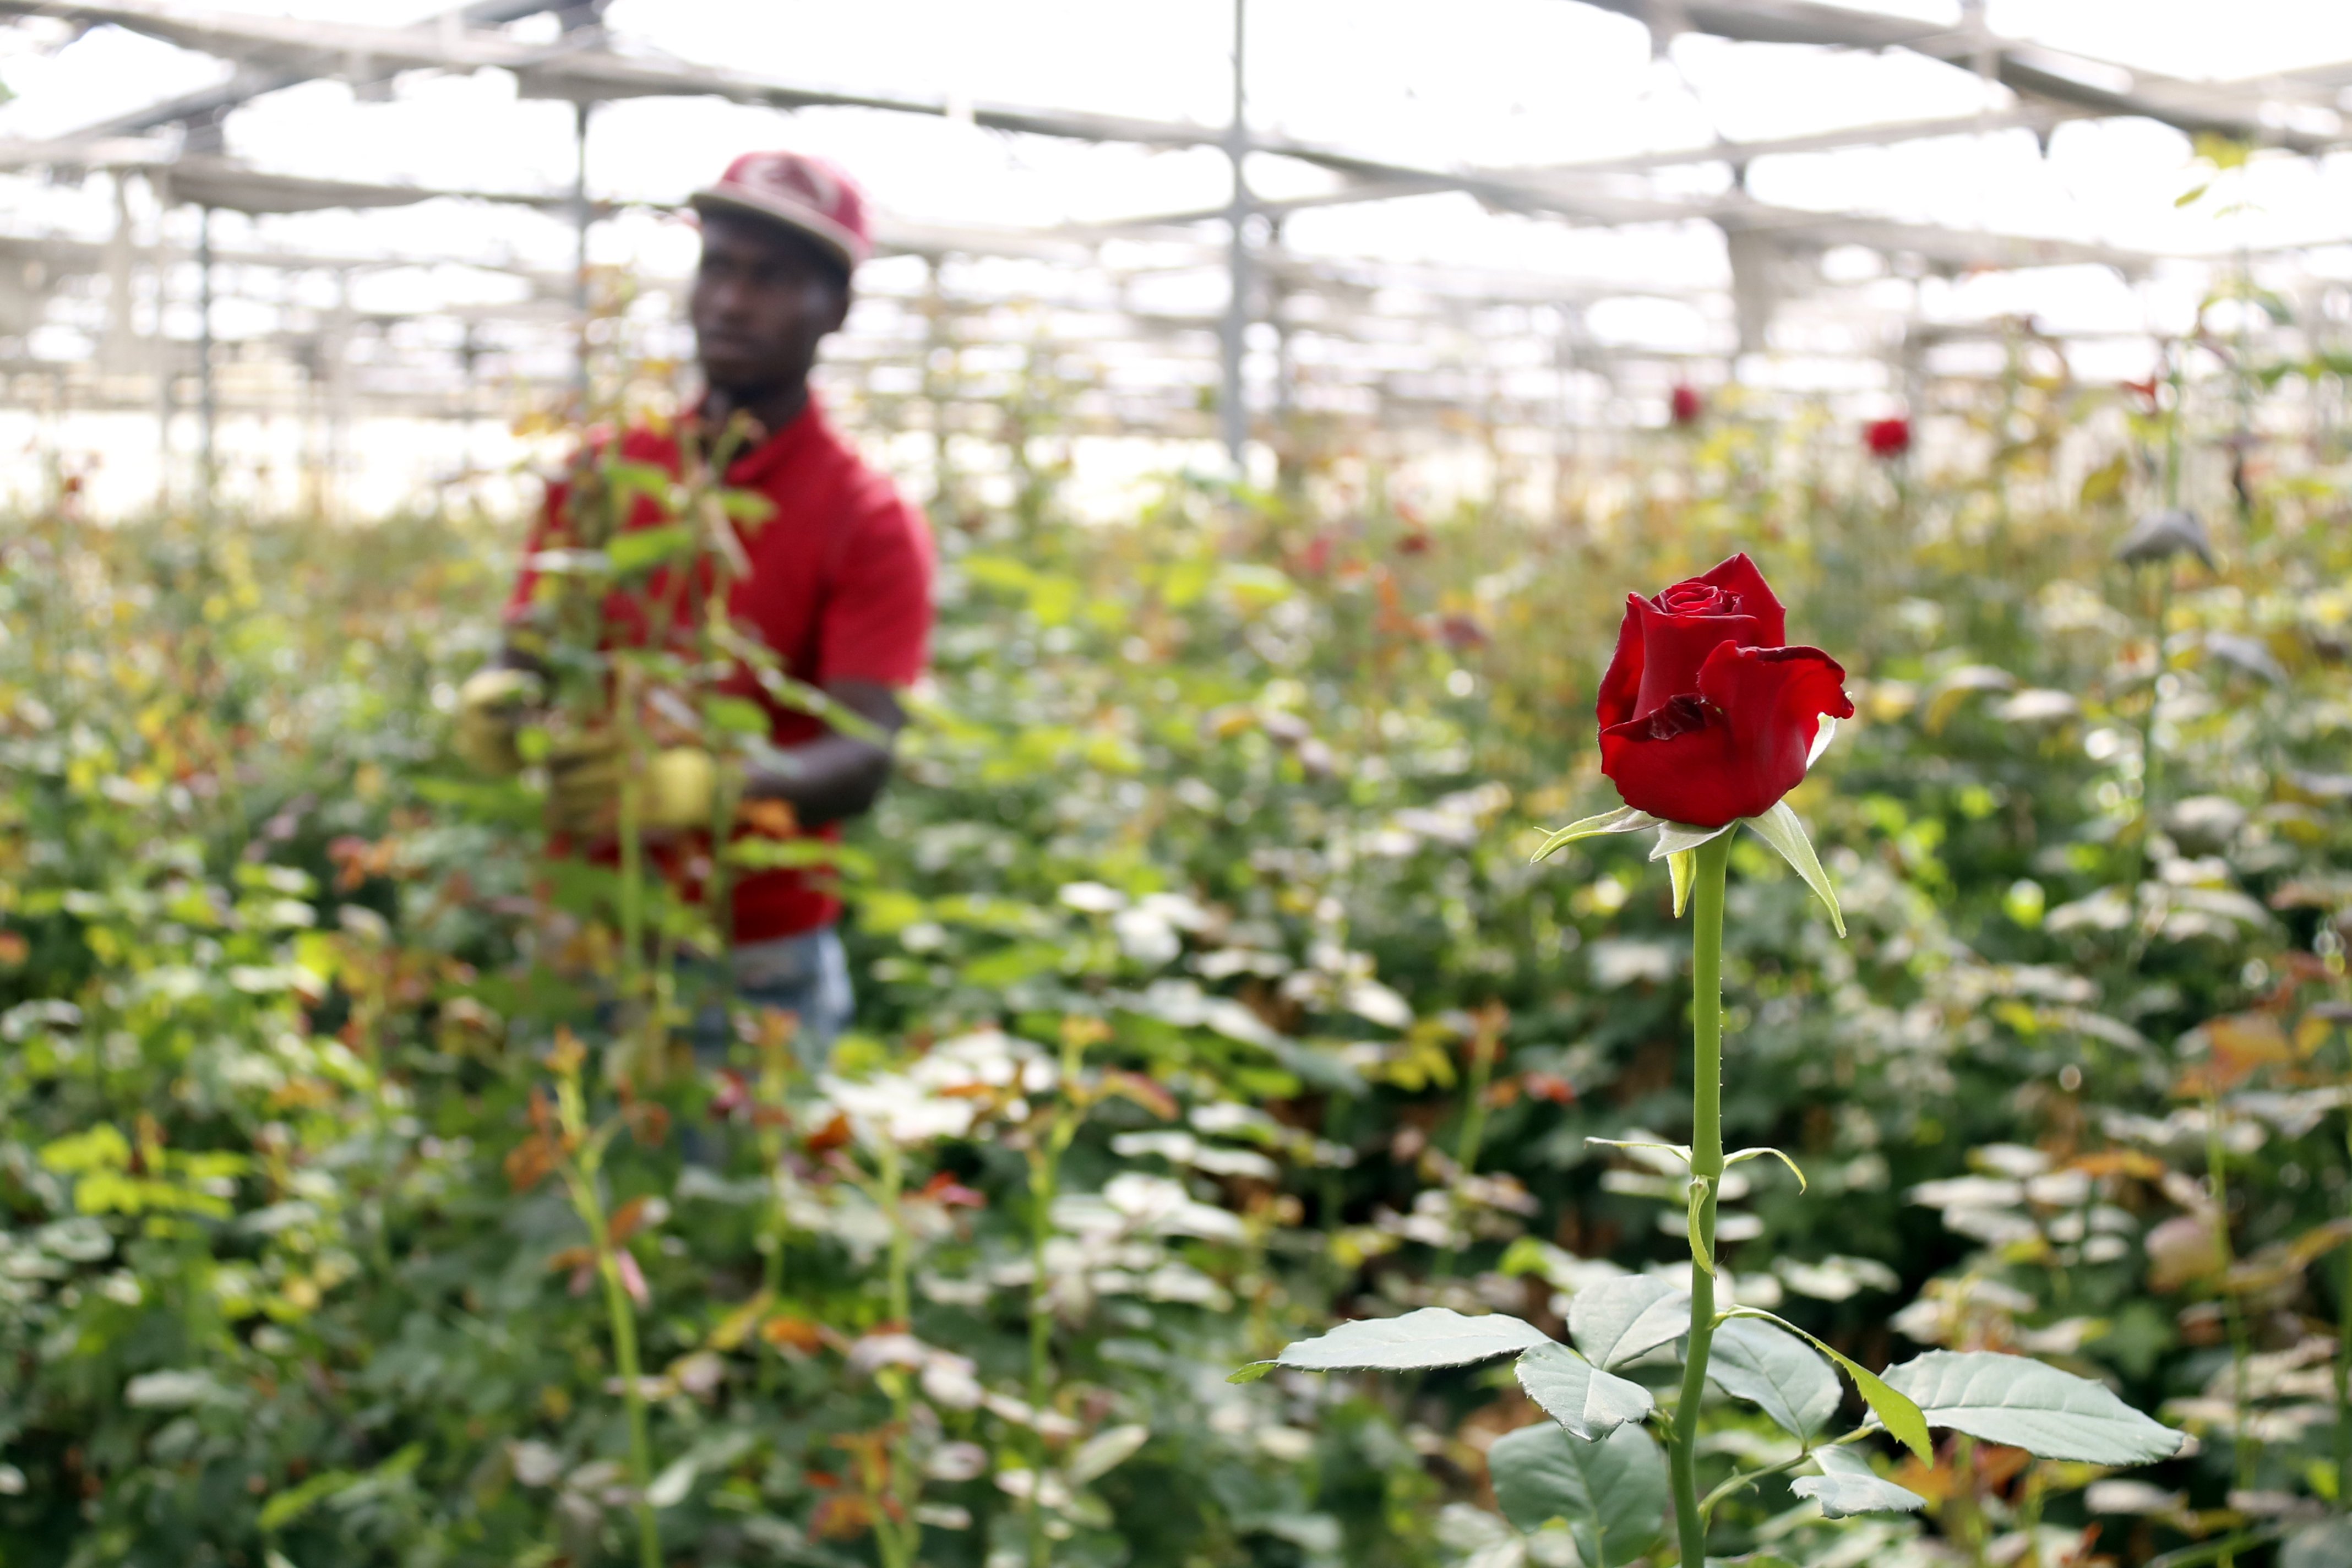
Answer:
[(1624, 819), (1682, 867), (1782, 828), (1681, 837)]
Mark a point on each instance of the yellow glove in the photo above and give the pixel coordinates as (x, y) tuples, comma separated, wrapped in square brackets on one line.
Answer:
[(490, 708), (681, 789), (584, 788)]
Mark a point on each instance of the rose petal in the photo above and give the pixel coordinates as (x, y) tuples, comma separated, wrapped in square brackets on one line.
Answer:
[(1624, 678), (1774, 700), (1738, 746), (1675, 647), (1675, 764), (1730, 602), (1740, 578)]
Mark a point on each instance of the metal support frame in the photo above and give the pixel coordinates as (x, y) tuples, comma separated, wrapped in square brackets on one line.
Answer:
[(1233, 407), (207, 393), (582, 216), (159, 182)]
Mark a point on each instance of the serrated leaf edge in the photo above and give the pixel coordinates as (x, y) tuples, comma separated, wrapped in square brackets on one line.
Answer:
[(1592, 1434), (1888, 1405)]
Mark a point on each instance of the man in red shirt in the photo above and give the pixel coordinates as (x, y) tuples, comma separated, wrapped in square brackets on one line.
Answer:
[(839, 584)]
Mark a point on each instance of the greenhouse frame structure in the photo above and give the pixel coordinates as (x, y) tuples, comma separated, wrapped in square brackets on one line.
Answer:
[(1305, 347)]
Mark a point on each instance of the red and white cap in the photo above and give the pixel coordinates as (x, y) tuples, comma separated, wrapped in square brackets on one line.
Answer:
[(805, 193)]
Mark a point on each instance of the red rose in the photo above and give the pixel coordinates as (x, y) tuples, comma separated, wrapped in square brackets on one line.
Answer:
[(1686, 405), (1887, 438), (1706, 717)]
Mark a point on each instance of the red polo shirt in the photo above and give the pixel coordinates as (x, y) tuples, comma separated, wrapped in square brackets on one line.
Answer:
[(840, 587)]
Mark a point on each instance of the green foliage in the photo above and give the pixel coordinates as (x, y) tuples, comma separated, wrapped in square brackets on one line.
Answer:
[(2013, 1400), (1241, 802), (1778, 1372), (1611, 1491)]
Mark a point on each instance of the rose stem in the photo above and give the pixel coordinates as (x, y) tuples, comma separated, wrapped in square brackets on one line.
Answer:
[(1705, 1165), (2216, 1170), (2344, 1366)]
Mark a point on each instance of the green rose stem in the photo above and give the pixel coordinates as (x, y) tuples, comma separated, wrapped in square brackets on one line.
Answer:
[(631, 827), (1045, 1154), (2241, 1441), (1713, 858), (897, 1536), (1485, 1044), (2148, 759), (579, 1172), (2344, 1366)]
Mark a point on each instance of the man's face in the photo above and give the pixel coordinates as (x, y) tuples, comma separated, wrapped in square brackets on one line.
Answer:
[(763, 299)]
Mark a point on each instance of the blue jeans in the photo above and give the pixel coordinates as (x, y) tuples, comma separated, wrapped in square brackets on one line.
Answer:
[(805, 975)]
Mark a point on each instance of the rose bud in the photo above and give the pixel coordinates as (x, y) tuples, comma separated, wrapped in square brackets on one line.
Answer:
[(1887, 438), (1705, 715)]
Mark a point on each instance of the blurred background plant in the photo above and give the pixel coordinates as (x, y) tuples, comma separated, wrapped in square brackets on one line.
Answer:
[(1208, 994)]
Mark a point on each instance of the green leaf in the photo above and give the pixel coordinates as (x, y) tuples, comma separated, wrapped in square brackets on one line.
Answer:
[(1776, 1372), (1894, 1409), (629, 477), (1624, 819), (1680, 869), (1730, 1160), (1104, 1452), (1581, 1397), (670, 1487), (1612, 1493), (2027, 1405), (1696, 1203), (1780, 828), (1616, 1320), (1679, 1151), (2327, 1544), (1847, 1485), (639, 548), (1432, 1337), (99, 1148), (286, 1507), (1681, 837), (736, 715), (748, 508)]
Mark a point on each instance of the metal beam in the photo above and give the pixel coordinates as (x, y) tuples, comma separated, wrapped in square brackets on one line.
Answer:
[(584, 72), (1232, 405), (210, 104), (2077, 82)]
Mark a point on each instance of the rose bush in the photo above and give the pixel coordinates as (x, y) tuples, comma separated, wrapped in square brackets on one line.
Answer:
[(1706, 716)]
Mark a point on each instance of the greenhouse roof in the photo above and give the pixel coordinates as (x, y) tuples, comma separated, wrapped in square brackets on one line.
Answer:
[(1793, 194)]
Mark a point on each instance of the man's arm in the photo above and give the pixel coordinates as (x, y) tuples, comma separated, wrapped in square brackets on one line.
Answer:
[(837, 776)]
